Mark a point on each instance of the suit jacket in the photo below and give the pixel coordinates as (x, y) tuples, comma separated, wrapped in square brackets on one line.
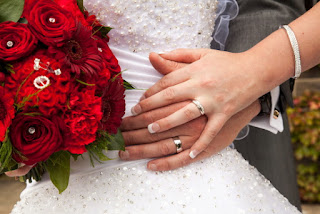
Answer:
[(271, 154)]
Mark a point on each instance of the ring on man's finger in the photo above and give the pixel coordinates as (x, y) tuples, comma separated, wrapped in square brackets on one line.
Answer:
[(178, 144), (199, 106)]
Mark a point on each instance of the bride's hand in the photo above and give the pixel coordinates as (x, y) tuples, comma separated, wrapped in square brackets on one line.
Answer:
[(214, 78)]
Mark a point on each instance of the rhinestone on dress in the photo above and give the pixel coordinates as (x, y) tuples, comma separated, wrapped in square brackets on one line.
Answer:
[(192, 28)]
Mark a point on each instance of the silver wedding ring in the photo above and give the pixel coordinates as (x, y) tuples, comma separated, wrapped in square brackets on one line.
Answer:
[(178, 144), (199, 106)]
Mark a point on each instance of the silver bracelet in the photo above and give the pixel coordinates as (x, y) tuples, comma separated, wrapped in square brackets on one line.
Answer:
[(295, 48)]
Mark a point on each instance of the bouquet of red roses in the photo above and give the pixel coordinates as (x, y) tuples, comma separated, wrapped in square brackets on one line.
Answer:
[(61, 90)]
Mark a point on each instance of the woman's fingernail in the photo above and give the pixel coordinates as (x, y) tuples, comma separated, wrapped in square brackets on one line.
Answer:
[(193, 154), (162, 52), (142, 97), (135, 110), (153, 167), (124, 155), (153, 128)]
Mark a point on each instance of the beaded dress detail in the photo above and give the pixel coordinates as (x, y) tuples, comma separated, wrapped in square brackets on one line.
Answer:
[(224, 183)]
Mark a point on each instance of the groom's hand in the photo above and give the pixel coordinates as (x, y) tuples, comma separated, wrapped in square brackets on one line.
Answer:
[(141, 144)]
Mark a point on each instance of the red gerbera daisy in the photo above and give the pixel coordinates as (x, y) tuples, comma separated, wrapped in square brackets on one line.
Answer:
[(80, 53), (6, 112), (113, 106)]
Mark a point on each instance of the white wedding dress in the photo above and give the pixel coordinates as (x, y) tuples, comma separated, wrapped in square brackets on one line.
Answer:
[(224, 183)]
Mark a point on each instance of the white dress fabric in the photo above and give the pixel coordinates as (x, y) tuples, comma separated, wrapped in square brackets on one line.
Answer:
[(224, 183)]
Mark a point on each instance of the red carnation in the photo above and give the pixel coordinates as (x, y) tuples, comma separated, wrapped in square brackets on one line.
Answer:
[(16, 41), (50, 100), (36, 138), (80, 54), (49, 22), (6, 112), (82, 119), (113, 106)]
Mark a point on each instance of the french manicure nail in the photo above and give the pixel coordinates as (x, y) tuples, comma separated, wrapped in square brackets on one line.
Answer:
[(162, 52), (135, 110), (153, 128), (124, 155), (153, 167), (193, 154)]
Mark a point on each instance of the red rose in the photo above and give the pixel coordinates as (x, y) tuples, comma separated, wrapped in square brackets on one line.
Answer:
[(49, 22), (110, 61), (72, 6), (6, 112), (113, 106), (36, 138), (16, 41)]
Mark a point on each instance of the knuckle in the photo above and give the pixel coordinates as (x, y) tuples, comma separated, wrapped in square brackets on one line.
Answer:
[(212, 133), (154, 137), (229, 109), (164, 82), (148, 118), (207, 83), (148, 92), (128, 138), (164, 165), (183, 161), (145, 104), (165, 124), (169, 94), (175, 65), (136, 153), (189, 114), (220, 98), (164, 149)]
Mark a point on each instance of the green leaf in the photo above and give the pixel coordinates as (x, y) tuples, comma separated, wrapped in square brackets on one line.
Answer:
[(104, 31), (11, 10), (84, 83), (58, 166), (104, 142), (6, 161), (23, 21), (32, 114), (116, 142), (127, 85), (80, 5)]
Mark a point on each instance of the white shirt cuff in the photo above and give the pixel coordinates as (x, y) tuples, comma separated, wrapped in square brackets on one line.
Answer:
[(274, 121)]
